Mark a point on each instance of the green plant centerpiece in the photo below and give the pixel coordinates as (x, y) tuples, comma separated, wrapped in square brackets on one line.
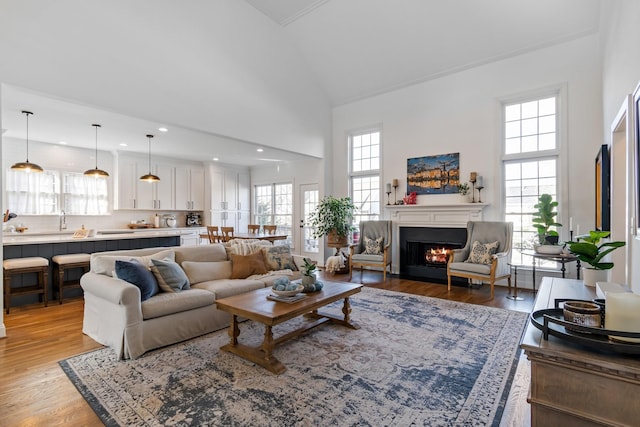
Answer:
[(588, 249), (463, 188), (332, 218), (309, 277), (543, 221)]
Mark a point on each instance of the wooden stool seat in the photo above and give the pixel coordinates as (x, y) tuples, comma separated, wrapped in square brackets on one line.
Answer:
[(62, 263), (15, 266)]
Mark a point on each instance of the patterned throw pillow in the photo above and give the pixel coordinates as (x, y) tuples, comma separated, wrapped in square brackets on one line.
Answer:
[(278, 258), (373, 247), (170, 277), (481, 253)]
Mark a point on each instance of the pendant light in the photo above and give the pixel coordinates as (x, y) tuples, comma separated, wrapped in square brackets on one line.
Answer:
[(97, 173), (150, 177), (27, 166)]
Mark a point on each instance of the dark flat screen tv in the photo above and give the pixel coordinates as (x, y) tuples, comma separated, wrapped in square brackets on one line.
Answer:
[(603, 189)]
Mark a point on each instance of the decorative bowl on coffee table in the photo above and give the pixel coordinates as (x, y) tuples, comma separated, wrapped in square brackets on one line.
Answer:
[(288, 293)]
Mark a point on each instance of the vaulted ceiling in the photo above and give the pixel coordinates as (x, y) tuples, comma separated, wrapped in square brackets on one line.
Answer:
[(242, 74)]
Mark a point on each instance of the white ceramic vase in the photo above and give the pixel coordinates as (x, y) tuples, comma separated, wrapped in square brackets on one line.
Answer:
[(590, 276)]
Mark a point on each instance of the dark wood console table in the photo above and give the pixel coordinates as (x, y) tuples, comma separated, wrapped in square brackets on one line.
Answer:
[(572, 385)]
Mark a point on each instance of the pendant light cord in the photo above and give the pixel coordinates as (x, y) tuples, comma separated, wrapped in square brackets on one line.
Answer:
[(96, 126), (27, 113), (149, 137)]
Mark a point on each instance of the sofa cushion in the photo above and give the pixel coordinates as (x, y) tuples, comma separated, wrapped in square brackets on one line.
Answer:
[(169, 275), (229, 287), (167, 303), (105, 264), (278, 258), (203, 271), (245, 265), (481, 253), (202, 253), (139, 275)]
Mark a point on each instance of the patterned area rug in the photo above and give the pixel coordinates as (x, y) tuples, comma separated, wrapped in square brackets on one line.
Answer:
[(415, 361)]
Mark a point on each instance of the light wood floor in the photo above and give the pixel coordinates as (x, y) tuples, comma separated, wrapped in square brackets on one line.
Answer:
[(35, 392)]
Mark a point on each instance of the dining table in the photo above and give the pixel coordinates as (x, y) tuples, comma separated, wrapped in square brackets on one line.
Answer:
[(258, 236)]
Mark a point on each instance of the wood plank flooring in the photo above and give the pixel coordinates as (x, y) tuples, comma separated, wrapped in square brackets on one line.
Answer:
[(35, 392)]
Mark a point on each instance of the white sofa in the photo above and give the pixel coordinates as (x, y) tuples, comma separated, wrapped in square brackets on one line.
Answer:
[(115, 316)]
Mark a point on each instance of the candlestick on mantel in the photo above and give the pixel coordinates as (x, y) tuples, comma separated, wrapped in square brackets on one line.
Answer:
[(395, 183), (473, 176), (571, 223), (395, 191), (388, 193), (479, 182)]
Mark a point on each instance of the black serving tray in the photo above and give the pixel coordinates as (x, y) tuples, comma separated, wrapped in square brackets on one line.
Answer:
[(551, 322)]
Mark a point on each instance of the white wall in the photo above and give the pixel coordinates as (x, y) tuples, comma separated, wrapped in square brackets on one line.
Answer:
[(461, 113), (621, 75)]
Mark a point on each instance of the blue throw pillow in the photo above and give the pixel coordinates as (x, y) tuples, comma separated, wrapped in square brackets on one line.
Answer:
[(170, 276), (138, 274)]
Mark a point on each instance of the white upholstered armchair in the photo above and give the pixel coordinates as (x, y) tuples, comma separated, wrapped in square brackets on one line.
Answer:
[(373, 249), (486, 254)]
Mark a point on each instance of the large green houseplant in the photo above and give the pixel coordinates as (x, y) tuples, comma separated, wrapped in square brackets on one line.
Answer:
[(544, 221), (332, 218), (589, 250)]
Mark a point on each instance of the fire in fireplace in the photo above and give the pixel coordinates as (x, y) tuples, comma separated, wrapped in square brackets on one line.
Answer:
[(424, 251)]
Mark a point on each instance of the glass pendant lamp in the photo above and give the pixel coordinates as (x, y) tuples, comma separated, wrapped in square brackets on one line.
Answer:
[(27, 166), (95, 172)]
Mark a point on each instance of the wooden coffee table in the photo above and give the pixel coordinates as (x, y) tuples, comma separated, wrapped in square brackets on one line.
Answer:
[(254, 305)]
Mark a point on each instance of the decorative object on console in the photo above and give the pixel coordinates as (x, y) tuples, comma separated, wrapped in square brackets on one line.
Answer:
[(95, 172), (588, 249), (434, 174), (149, 177), (27, 166)]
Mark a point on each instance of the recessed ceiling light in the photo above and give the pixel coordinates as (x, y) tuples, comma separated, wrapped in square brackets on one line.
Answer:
[(163, 129), (215, 159), (62, 142), (123, 144), (260, 150)]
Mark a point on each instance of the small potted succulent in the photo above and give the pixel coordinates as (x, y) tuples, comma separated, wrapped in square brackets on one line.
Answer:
[(589, 250), (309, 277)]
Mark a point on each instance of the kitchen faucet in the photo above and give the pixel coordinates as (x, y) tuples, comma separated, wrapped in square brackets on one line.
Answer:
[(63, 221)]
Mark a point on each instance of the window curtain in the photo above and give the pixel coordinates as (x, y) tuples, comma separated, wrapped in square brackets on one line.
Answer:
[(32, 193), (85, 195)]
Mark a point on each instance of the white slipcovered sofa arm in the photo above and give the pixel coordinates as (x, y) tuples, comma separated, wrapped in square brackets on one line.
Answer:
[(113, 290)]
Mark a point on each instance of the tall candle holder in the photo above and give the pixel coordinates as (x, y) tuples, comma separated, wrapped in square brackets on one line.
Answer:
[(395, 191), (472, 180), (479, 189), (388, 194)]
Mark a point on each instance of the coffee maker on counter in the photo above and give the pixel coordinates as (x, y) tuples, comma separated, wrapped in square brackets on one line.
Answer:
[(194, 219)]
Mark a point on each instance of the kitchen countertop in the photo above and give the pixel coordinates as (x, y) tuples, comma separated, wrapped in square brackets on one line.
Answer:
[(111, 234)]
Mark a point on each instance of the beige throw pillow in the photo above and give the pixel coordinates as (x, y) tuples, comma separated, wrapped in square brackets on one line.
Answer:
[(199, 272), (106, 264)]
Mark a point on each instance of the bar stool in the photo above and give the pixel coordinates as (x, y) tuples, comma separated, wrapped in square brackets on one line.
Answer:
[(16, 266), (62, 263)]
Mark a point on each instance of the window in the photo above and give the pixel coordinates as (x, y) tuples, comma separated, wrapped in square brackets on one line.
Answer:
[(44, 194), (274, 205), (365, 174), (530, 164)]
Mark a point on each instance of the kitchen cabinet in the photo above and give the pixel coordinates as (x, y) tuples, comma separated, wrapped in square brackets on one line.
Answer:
[(230, 198), (191, 237), (136, 194), (189, 185)]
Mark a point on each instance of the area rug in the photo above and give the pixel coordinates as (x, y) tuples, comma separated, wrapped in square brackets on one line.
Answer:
[(415, 361)]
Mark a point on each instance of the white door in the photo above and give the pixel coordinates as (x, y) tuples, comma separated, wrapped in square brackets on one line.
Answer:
[(309, 246)]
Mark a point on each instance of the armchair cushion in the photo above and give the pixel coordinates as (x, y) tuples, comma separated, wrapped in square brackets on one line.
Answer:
[(481, 253), (373, 246)]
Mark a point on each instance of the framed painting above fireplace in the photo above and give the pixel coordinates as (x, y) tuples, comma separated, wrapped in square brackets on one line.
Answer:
[(434, 174)]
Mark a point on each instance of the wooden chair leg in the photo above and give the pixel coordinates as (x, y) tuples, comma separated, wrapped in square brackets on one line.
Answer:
[(448, 283)]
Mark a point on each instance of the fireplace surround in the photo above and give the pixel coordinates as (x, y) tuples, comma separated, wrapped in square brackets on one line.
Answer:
[(426, 226)]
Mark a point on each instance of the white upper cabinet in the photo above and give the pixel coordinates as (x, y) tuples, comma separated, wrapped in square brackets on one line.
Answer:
[(189, 181)]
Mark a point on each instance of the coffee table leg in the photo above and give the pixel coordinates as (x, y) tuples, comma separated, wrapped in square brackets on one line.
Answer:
[(234, 330), (267, 344), (346, 309)]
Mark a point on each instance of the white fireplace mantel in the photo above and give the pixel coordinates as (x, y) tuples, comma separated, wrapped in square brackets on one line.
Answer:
[(455, 215)]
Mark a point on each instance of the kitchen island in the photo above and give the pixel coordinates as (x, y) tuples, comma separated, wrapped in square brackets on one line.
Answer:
[(47, 245)]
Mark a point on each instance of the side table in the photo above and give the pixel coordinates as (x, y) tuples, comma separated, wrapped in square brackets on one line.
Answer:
[(562, 258), (515, 296)]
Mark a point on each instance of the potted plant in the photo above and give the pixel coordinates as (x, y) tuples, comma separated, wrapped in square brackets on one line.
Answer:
[(332, 218), (463, 188), (543, 220), (308, 273), (589, 250)]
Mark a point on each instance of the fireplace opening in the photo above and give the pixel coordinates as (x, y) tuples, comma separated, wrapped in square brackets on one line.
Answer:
[(424, 252)]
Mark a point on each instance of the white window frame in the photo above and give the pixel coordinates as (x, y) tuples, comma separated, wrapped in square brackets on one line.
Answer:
[(262, 218), (559, 153), (367, 173)]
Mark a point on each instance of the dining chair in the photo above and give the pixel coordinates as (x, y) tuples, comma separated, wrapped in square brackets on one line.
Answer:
[(270, 229), (212, 232), (227, 233), (254, 228)]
